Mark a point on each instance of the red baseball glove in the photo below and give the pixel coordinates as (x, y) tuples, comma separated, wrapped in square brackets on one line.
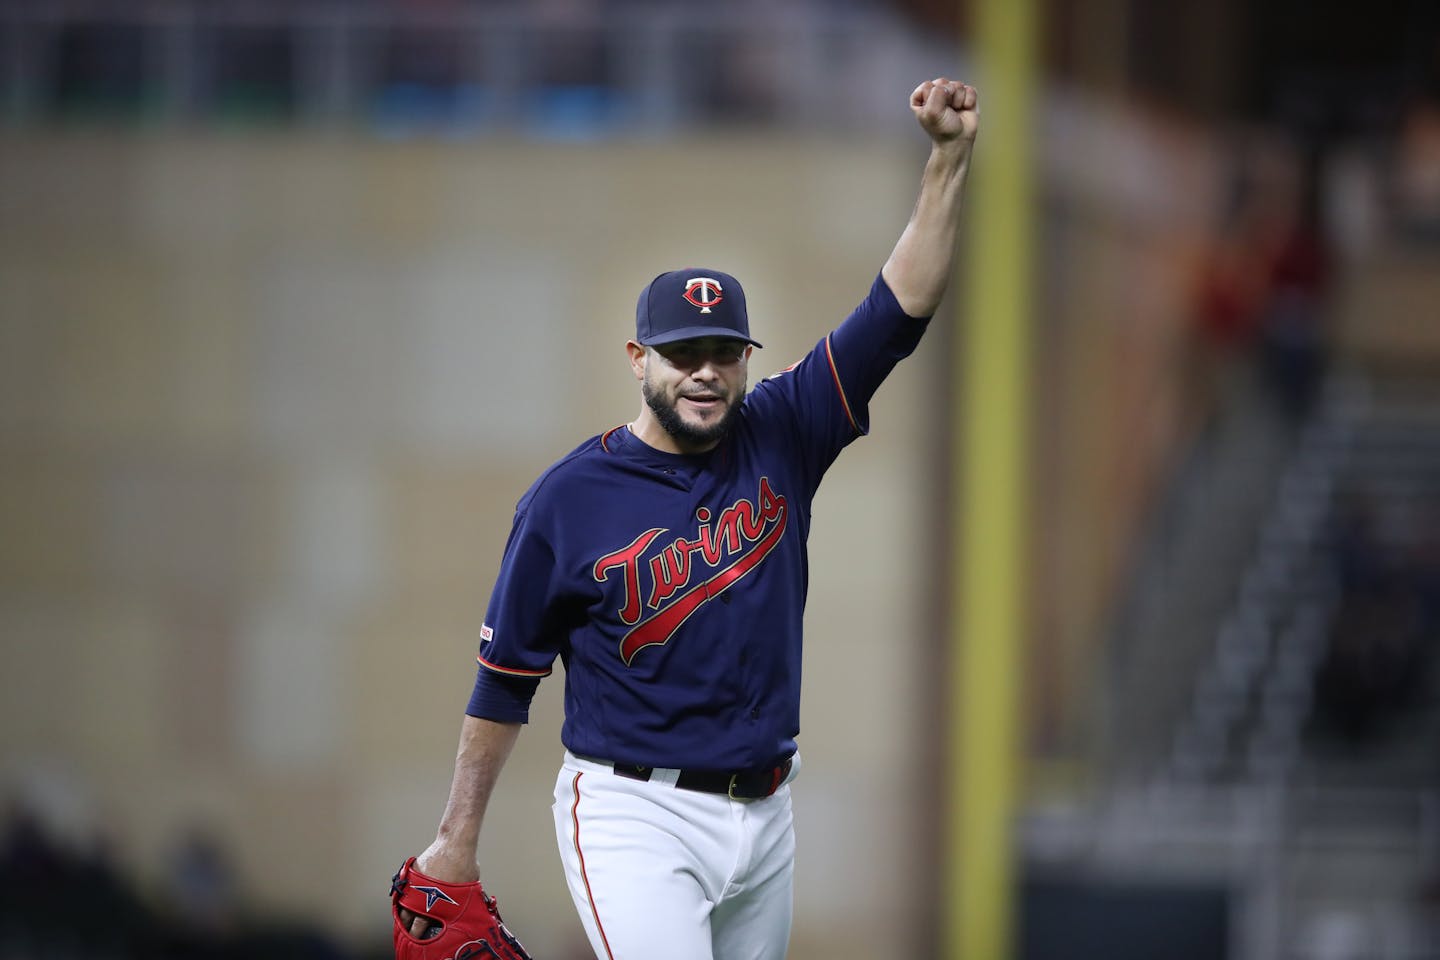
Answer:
[(470, 926)]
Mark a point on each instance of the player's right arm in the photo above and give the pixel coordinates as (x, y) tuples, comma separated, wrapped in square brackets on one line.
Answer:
[(829, 391), (919, 268), (485, 745)]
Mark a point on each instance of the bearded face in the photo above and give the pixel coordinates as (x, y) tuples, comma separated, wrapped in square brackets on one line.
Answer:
[(694, 389)]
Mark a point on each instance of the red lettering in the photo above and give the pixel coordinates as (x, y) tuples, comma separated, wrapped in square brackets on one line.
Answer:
[(670, 571), (661, 627), (733, 524), (737, 526), (772, 505), (704, 545), (628, 559)]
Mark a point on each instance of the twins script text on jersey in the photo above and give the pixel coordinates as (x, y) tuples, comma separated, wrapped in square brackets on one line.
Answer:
[(744, 534)]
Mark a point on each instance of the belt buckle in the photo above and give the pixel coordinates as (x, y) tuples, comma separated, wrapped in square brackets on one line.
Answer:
[(777, 776), (731, 790)]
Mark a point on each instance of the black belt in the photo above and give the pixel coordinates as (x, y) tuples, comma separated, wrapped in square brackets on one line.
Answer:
[(740, 785)]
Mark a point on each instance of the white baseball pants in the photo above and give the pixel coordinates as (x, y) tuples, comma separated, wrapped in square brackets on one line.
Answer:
[(660, 873)]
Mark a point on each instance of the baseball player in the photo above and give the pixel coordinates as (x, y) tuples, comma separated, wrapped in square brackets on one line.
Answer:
[(664, 563)]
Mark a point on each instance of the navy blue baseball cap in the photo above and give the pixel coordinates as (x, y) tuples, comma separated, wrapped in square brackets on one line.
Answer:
[(685, 304)]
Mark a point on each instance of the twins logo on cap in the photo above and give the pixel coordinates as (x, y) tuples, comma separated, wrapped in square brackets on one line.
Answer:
[(690, 303), (703, 292)]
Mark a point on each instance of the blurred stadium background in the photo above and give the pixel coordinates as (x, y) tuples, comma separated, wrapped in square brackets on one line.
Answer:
[(296, 299)]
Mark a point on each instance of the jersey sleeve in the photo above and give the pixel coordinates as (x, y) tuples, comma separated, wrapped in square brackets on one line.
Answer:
[(826, 396), (520, 637)]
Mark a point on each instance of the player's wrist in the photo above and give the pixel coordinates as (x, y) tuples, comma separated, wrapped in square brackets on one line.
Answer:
[(450, 859), (952, 150), (949, 163)]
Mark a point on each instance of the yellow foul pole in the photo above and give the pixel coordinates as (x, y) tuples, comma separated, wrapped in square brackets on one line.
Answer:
[(991, 480)]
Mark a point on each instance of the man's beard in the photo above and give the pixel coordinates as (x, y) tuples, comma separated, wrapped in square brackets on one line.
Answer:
[(685, 434)]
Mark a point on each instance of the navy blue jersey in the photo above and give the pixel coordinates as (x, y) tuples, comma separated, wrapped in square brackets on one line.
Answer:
[(673, 586)]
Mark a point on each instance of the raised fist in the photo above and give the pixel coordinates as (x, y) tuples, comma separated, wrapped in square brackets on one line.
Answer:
[(948, 110)]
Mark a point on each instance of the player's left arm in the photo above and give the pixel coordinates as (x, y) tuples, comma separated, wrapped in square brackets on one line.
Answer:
[(919, 267)]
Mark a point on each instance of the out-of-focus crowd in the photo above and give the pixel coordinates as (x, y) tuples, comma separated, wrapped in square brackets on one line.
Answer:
[(64, 901)]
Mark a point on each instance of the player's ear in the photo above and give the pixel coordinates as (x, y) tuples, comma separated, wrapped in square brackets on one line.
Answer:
[(637, 358)]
